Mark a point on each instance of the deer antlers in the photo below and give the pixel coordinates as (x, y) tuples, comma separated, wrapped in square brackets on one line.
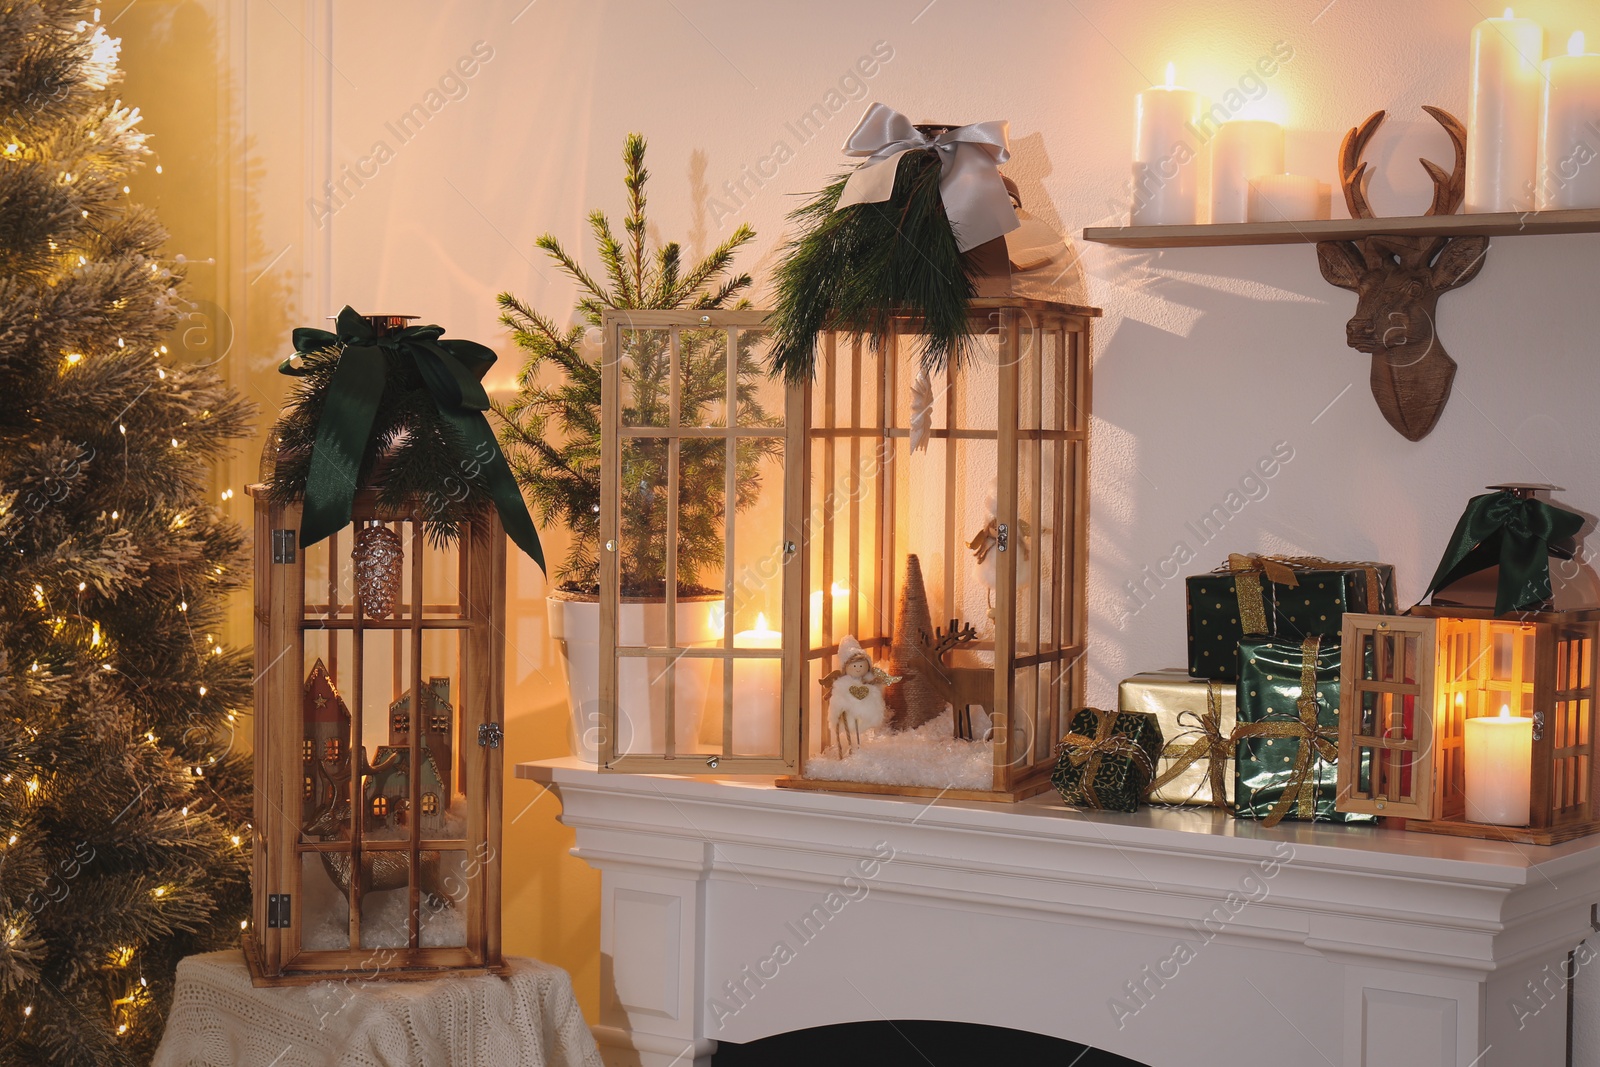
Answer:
[(948, 640), (1398, 280), (1449, 190)]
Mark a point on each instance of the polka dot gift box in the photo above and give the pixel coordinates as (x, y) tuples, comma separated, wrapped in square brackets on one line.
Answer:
[(1284, 596)]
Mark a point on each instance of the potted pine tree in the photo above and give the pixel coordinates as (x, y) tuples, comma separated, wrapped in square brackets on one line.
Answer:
[(551, 437)]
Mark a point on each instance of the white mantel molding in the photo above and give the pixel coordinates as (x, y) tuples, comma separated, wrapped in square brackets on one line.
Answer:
[(1347, 945)]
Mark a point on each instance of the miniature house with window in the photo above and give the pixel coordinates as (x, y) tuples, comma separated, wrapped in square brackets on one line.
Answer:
[(377, 824), (929, 527)]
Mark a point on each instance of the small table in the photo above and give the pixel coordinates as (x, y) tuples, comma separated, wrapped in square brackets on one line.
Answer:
[(529, 1017)]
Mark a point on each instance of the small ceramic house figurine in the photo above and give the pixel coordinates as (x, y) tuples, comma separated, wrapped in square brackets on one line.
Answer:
[(855, 694)]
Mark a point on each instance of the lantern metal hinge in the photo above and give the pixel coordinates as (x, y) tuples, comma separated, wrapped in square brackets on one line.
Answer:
[(278, 911), (1002, 537), (1538, 726), (283, 546), (490, 734)]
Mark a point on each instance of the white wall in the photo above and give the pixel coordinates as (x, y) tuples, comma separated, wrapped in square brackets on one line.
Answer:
[(1207, 357), (1206, 360)]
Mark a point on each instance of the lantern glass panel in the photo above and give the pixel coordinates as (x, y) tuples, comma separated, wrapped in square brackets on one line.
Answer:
[(699, 559), (1385, 755), (646, 357), (442, 920), (324, 907), (754, 712), (702, 377)]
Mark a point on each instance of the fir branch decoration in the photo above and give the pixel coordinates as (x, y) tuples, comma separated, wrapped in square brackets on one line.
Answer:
[(551, 432), (125, 843), (413, 454), (858, 268)]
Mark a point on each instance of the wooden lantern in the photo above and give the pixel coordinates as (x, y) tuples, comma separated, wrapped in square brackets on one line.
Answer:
[(694, 672), (958, 565), (1410, 684), (947, 532), (377, 811)]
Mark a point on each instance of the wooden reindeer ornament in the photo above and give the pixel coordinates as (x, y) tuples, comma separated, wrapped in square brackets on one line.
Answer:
[(919, 655), (1398, 281)]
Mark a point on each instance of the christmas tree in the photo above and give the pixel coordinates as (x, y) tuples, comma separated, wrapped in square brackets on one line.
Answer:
[(124, 804)]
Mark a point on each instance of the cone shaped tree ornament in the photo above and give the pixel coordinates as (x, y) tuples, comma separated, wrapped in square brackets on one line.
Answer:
[(379, 559), (915, 700)]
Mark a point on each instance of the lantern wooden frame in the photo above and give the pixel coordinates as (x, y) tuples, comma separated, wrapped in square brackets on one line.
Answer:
[(1032, 362), (667, 656), (1407, 685), (459, 860), (1023, 400)]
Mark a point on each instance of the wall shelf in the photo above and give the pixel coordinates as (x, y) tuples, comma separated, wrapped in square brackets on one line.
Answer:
[(1499, 224)]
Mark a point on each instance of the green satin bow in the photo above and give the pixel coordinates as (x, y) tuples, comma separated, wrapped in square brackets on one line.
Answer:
[(451, 369), (1516, 532)]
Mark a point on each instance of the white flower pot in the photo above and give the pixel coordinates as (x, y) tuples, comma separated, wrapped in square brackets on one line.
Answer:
[(575, 628)]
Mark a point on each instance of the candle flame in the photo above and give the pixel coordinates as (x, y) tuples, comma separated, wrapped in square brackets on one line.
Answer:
[(1172, 73), (1461, 698), (840, 589), (1575, 43), (1505, 711), (1508, 14), (761, 621)]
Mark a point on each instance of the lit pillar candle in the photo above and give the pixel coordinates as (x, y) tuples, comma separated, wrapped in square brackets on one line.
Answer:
[(1569, 130), (1166, 168), (1499, 768), (1503, 114), (758, 694), (841, 614), (1243, 149), (1289, 198)]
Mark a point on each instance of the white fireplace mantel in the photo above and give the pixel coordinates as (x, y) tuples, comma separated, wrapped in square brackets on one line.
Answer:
[(733, 910)]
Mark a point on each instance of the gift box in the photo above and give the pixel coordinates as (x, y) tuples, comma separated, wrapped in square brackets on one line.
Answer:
[(1288, 730), (1285, 596), (1196, 717), (1107, 759)]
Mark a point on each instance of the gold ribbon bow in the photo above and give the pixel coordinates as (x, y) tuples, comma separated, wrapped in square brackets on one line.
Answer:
[(1086, 752), (1211, 745), (1374, 578), (1247, 573), (1300, 792)]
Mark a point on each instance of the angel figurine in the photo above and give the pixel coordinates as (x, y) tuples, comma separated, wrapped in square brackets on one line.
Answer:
[(855, 694)]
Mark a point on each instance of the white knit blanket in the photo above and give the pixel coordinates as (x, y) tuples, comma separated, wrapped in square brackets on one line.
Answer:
[(219, 1019)]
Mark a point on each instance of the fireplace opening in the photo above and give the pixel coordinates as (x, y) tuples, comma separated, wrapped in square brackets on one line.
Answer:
[(913, 1043)]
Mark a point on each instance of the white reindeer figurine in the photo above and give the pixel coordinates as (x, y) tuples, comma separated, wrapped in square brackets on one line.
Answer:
[(855, 695)]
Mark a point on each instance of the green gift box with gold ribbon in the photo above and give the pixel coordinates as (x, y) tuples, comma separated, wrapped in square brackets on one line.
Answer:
[(1288, 730), (1284, 596), (1107, 759)]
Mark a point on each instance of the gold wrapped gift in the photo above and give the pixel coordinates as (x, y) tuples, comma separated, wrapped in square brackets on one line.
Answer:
[(1197, 718)]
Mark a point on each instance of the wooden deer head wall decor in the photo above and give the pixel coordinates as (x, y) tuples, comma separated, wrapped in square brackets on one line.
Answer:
[(1398, 281)]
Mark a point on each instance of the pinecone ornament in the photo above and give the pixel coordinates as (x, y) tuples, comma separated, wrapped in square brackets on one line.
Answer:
[(379, 558)]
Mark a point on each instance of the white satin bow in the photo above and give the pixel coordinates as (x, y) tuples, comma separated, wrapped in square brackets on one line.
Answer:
[(974, 195)]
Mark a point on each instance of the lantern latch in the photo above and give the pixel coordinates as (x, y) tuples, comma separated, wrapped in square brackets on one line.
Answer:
[(1002, 537), (790, 548), (278, 911), (490, 734), (1538, 726), (283, 546)]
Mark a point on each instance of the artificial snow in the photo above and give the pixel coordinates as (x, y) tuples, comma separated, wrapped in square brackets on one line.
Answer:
[(441, 923), (928, 756)]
